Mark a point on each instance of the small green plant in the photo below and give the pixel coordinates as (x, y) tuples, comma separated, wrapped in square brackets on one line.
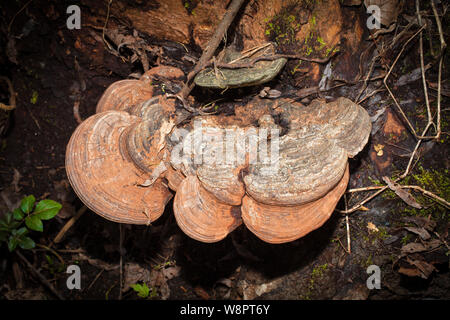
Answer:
[(34, 97), (12, 229), (143, 290)]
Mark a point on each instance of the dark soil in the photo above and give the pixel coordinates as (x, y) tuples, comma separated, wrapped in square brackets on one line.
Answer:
[(241, 266)]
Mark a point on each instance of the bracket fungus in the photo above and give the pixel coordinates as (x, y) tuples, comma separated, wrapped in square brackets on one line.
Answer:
[(260, 72), (276, 166)]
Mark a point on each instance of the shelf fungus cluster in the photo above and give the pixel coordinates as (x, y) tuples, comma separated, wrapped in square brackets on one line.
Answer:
[(276, 166)]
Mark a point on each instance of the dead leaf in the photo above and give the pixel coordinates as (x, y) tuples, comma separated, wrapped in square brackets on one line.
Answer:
[(413, 248), (389, 10), (372, 227), (134, 273), (419, 247), (16, 179), (171, 272), (410, 272), (422, 222), (424, 267), (378, 149), (201, 293), (419, 231), (403, 194)]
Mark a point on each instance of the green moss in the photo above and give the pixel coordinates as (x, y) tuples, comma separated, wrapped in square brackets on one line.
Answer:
[(316, 274), (283, 27), (34, 97), (367, 262), (297, 66), (435, 181), (406, 239), (319, 270)]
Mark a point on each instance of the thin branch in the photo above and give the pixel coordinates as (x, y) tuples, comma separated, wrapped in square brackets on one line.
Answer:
[(425, 192), (40, 276), (413, 131), (212, 45), (69, 224), (12, 95)]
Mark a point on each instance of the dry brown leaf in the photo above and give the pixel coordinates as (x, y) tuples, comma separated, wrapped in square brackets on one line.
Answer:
[(171, 272), (403, 194), (16, 179), (372, 227), (419, 231), (389, 10), (413, 248), (134, 273), (201, 293), (378, 149), (424, 267), (410, 272), (419, 247)]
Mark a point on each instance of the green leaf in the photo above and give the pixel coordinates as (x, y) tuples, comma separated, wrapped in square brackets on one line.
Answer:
[(18, 214), (33, 222), (27, 204), (47, 209), (14, 224), (20, 232), (27, 243), (12, 243), (8, 218), (3, 225), (142, 290)]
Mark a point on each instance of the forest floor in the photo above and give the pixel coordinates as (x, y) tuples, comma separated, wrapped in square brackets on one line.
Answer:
[(317, 266)]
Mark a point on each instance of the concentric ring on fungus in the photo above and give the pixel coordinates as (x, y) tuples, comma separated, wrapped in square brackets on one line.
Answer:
[(124, 94), (276, 224), (200, 215), (102, 175)]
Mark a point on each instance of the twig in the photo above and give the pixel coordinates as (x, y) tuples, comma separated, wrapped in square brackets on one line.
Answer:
[(443, 47), (69, 224), (349, 249), (369, 73), (272, 57), (76, 111), (52, 251), (250, 52), (18, 12), (212, 45), (425, 192), (95, 279), (194, 111), (389, 90), (12, 96), (104, 28), (422, 64), (40, 276)]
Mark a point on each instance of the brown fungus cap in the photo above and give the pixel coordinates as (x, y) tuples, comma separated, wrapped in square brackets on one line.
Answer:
[(173, 177), (342, 121), (200, 215), (146, 139), (276, 224), (123, 94), (101, 173), (307, 168)]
